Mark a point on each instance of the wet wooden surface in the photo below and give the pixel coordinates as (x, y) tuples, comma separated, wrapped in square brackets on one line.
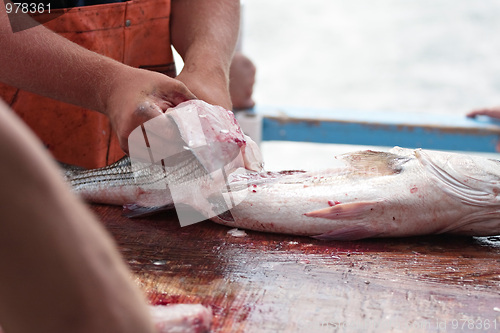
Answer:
[(279, 283)]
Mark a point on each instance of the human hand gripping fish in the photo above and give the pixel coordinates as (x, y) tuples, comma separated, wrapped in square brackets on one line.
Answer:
[(196, 146), (399, 193)]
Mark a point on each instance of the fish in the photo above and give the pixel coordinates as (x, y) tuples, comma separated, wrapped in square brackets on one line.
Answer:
[(399, 193), (369, 194)]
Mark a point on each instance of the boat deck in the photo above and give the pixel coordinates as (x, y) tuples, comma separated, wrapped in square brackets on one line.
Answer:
[(278, 283)]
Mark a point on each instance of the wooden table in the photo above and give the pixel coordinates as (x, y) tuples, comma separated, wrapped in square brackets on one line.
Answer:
[(280, 283)]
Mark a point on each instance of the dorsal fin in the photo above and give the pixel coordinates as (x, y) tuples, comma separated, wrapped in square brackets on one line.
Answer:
[(376, 162)]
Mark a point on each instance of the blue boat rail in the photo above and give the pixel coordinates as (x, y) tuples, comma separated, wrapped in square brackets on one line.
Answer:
[(378, 128)]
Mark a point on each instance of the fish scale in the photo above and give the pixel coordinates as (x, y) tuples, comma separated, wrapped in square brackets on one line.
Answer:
[(121, 183)]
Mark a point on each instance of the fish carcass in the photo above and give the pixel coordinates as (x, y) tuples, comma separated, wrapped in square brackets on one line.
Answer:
[(398, 193)]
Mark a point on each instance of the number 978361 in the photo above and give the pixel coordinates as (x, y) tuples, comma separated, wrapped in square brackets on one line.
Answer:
[(27, 7)]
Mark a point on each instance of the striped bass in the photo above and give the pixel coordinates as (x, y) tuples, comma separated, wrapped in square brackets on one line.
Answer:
[(399, 193)]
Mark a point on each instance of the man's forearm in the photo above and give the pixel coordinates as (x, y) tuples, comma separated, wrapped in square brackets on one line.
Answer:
[(43, 62), (204, 32)]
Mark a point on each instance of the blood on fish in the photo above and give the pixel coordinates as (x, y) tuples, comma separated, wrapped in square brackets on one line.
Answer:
[(413, 189), (164, 299), (333, 203), (239, 142)]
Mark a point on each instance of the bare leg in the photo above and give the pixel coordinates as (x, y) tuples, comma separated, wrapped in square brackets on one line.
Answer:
[(60, 270)]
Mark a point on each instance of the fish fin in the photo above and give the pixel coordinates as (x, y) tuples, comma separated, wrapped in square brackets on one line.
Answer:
[(350, 210), (134, 210), (369, 163), (347, 233), (473, 180)]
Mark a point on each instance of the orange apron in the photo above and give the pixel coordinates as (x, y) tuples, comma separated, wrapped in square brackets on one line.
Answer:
[(135, 33)]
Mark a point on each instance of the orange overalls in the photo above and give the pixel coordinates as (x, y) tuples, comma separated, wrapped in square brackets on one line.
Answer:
[(135, 33)]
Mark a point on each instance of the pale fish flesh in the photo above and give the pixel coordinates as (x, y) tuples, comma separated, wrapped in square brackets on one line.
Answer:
[(186, 143), (196, 145), (210, 132), (181, 318), (399, 193)]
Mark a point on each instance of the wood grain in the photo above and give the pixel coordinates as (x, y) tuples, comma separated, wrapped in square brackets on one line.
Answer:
[(279, 283)]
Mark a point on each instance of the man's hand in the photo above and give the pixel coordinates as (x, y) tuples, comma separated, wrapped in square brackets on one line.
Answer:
[(210, 85), (138, 95), (493, 112), (204, 32)]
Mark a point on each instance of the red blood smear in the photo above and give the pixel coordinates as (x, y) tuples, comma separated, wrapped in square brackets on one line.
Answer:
[(333, 203), (413, 189), (239, 142), (162, 299)]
